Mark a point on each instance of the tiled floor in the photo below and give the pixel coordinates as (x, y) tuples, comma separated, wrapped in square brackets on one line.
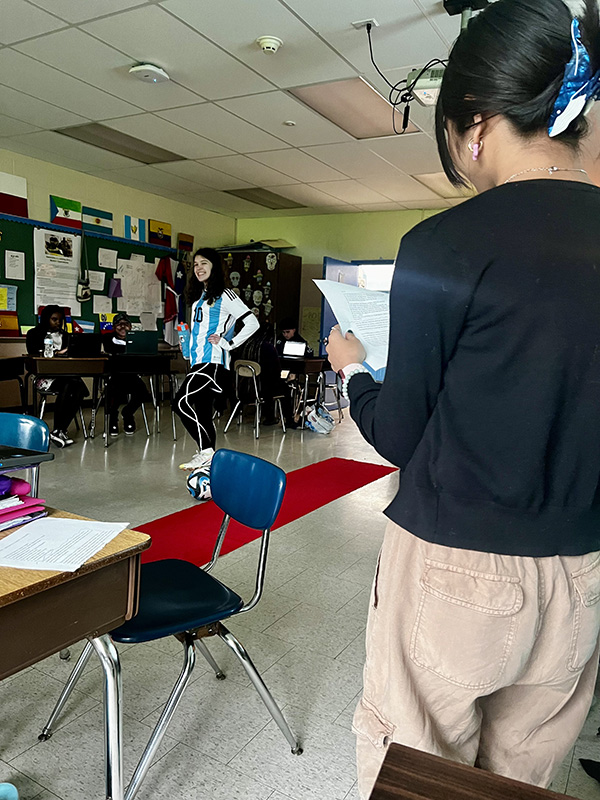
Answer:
[(306, 637)]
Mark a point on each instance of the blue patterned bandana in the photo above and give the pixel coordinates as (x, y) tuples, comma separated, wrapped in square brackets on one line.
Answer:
[(579, 86)]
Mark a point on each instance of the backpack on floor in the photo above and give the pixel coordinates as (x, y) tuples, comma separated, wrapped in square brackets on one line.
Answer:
[(319, 420)]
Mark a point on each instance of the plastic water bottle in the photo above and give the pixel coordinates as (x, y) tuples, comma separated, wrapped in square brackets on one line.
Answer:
[(48, 345), (183, 332)]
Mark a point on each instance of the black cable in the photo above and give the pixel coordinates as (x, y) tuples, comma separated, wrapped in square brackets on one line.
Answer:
[(373, 57)]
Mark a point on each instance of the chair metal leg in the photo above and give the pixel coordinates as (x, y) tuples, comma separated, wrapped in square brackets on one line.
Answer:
[(83, 427), (83, 659), (257, 421), (171, 396), (42, 407), (233, 413), (159, 731), (144, 415), (260, 686), (65, 655), (35, 480), (220, 675), (113, 715), (155, 402), (280, 412)]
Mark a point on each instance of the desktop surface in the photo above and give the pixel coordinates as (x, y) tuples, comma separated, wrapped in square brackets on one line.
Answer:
[(11, 457)]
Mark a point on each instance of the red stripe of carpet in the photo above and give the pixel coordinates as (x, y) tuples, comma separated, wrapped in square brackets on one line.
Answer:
[(190, 534)]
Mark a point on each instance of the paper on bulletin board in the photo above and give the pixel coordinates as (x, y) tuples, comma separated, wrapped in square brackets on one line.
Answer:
[(121, 304), (14, 265), (56, 260), (8, 298), (102, 304), (137, 257), (107, 258), (148, 321), (96, 280)]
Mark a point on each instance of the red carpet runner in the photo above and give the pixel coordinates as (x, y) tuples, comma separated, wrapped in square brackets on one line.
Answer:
[(190, 534)]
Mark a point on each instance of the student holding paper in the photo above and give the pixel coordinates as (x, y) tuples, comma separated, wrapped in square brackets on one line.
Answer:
[(482, 639)]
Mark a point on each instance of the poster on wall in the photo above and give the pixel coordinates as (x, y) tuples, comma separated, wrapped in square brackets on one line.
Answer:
[(56, 258)]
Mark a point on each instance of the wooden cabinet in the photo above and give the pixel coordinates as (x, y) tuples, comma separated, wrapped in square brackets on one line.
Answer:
[(269, 283)]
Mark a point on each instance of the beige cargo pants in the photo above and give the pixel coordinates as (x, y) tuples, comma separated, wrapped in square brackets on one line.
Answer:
[(479, 658)]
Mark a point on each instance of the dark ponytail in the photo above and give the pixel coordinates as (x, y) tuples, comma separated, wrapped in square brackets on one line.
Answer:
[(511, 61), (215, 285)]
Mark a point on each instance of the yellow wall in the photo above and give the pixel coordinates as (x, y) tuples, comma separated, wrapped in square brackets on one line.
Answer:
[(370, 235), (44, 179)]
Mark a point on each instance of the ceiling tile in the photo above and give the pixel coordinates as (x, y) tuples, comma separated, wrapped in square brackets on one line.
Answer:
[(354, 159), (249, 170), (351, 192), (399, 187), (80, 55), (308, 195), (449, 27), (79, 10), (236, 24), (129, 177), (219, 125), (21, 144), (404, 35), (162, 133), (439, 183), (36, 112), (298, 165), (150, 34), (25, 74), (165, 180), (13, 127), (219, 201), (94, 157), (20, 20), (271, 110), (439, 203), (413, 153), (381, 206), (204, 175)]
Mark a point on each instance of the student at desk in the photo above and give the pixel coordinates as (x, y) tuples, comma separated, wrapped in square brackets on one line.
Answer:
[(69, 391), (129, 390), (289, 333)]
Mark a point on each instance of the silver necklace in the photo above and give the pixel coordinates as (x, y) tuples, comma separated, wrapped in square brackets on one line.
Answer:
[(549, 170)]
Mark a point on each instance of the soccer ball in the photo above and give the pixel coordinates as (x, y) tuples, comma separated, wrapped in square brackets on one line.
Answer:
[(198, 483)]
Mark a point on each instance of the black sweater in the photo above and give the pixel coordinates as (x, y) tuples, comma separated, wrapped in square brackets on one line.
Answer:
[(491, 400)]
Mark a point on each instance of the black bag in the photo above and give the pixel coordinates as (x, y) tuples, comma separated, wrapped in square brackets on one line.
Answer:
[(84, 293)]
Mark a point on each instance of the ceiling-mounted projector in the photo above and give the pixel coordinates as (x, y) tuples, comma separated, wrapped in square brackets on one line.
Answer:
[(149, 73), (425, 85), (458, 6)]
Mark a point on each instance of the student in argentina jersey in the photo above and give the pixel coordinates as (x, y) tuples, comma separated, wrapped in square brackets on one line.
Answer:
[(215, 312)]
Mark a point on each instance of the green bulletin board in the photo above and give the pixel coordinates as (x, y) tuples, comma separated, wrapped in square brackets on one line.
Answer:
[(17, 234)]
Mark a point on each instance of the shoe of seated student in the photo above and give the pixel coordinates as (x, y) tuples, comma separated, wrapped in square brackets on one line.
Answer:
[(113, 427), (201, 458), (293, 424), (60, 438), (129, 425)]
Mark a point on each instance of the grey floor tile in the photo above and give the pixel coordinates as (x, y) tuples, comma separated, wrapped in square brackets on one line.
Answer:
[(353, 793), (362, 571), (27, 788), (354, 653), (347, 715), (320, 589), (317, 629)]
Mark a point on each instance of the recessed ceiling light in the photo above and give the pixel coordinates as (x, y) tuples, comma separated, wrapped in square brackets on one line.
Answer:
[(353, 105), (117, 142)]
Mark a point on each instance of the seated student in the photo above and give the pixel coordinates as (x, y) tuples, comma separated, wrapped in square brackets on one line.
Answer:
[(260, 348), (122, 389), (70, 391), (289, 333)]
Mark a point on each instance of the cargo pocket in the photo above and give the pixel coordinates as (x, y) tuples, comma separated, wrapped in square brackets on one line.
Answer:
[(586, 617), (370, 724), (465, 624)]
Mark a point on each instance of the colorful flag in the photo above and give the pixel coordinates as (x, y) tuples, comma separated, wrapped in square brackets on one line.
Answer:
[(135, 228), (65, 212), (13, 195), (95, 220), (159, 232), (185, 242)]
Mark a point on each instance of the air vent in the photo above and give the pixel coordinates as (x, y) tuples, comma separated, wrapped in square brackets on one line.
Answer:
[(120, 143), (263, 197)]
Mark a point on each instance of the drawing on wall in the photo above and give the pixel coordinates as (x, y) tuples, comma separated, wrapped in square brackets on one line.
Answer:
[(135, 228), (65, 212), (93, 219), (159, 232)]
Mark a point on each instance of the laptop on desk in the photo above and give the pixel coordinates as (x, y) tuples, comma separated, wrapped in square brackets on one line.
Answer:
[(142, 343), (294, 349), (85, 345)]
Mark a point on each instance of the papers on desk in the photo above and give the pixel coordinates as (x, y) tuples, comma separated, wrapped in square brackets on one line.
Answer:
[(365, 313), (60, 545)]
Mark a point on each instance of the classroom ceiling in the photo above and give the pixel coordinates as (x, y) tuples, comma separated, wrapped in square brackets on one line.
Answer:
[(66, 62)]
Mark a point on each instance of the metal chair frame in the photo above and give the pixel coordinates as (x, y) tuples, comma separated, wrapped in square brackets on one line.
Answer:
[(192, 640), (251, 370), (46, 393), (36, 430)]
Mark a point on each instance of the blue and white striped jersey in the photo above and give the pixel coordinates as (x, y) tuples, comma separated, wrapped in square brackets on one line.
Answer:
[(219, 318)]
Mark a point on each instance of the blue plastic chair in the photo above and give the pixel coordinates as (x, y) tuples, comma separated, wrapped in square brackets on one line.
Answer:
[(180, 599), (28, 433), (8, 792)]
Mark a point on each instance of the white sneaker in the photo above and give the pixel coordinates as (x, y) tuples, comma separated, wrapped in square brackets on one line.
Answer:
[(201, 458), (60, 438)]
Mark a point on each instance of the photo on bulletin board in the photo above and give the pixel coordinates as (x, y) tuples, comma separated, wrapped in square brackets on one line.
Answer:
[(159, 233)]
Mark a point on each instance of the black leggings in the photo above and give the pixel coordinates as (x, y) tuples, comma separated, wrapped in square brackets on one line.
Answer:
[(71, 392), (125, 389), (205, 386)]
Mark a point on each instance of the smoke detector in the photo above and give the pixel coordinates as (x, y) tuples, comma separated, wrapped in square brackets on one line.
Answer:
[(149, 73), (269, 44)]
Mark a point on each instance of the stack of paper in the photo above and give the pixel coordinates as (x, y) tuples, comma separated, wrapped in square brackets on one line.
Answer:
[(17, 510)]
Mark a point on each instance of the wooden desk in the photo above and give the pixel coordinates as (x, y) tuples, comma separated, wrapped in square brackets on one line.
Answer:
[(11, 369), (409, 774), (42, 612), (307, 366)]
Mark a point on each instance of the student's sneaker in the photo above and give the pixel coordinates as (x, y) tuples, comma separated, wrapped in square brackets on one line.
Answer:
[(200, 458), (129, 425), (60, 439), (113, 428)]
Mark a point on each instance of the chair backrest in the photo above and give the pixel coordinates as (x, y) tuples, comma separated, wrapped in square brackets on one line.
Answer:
[(21, 430), (247, 369), (248, 489)]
